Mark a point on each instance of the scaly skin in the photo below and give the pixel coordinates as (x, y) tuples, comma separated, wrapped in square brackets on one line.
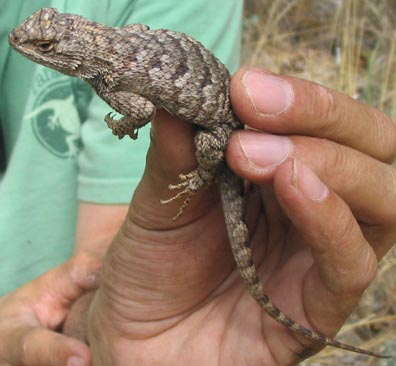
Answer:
[(137, 70)]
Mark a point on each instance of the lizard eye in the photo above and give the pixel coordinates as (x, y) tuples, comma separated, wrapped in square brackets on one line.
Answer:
[(45, 46)]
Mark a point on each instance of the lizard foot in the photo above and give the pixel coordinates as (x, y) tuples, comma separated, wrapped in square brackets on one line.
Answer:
[(124, 126), (190, 184)]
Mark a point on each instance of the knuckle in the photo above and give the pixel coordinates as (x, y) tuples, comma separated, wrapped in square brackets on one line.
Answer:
[(80, 259), (339, 161), (385, 131), (85, 259), (351, 244), (346, 230), (392, 140), (85, 270), (389, 197), (13, 348), (26, 358), (330, 111), (367, 272), (23, 348), (36, 348)]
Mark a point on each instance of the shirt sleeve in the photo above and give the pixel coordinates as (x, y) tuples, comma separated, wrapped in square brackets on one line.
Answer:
[(110, 169)]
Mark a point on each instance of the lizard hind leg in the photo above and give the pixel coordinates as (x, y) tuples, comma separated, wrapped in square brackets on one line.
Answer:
[(189, 185), (210, 145)]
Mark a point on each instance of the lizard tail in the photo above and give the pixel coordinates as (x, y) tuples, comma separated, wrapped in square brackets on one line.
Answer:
[(233, 201)]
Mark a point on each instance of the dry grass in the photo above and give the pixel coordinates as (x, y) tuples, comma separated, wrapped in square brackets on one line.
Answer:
[(348, 45)]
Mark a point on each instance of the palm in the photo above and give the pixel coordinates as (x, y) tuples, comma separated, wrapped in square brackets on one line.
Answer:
[(170, 292), (215, 321)]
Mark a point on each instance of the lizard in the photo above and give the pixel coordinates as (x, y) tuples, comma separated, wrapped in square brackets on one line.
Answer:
[(137, 70)]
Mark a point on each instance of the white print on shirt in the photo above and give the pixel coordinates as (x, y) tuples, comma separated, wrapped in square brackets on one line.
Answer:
[(53, 114), (64, 116)]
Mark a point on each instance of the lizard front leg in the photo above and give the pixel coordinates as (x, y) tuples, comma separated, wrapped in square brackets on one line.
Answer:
[(137, 111), (210, 146)]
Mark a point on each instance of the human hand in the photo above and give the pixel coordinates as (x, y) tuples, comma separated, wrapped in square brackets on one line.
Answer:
[(30, 316), (321, 213)]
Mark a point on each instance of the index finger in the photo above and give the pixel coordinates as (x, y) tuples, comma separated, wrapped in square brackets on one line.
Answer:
[(288, 105), (51, 295)]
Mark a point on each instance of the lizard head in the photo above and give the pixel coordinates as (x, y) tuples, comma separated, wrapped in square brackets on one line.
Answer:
[(46, 37)]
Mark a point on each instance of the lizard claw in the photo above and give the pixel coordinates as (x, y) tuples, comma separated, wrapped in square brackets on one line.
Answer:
[(185, 203), (121, 127), (185, 181), (190, 184), (175, 197), (109, 118)]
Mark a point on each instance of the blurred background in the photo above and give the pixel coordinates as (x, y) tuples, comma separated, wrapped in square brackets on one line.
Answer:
[(350, 46)]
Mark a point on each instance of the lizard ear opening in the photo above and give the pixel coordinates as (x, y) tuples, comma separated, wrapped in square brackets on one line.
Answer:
[(44, 46)]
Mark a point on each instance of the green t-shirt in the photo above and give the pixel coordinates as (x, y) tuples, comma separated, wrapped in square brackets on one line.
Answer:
[(55, 148)]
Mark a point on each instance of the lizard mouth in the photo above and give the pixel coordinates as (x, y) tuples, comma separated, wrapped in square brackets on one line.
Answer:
[(13, 39)]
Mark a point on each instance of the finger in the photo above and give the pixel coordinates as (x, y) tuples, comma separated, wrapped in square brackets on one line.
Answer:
[(345, 263), (39, 346), (367, 185), (255, 156), (286, 105), (55, 291), (149, 237), (171, 153), (76, 323)]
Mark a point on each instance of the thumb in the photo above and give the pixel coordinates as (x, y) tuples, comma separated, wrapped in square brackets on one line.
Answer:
[(154, 265), (40, 346), (171, 152)]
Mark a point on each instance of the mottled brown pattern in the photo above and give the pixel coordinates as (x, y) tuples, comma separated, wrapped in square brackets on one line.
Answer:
[(137, 70)]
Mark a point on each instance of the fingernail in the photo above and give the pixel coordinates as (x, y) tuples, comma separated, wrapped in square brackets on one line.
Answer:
[(264, 150), (308, 183), (76, 361), (270, 95)]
